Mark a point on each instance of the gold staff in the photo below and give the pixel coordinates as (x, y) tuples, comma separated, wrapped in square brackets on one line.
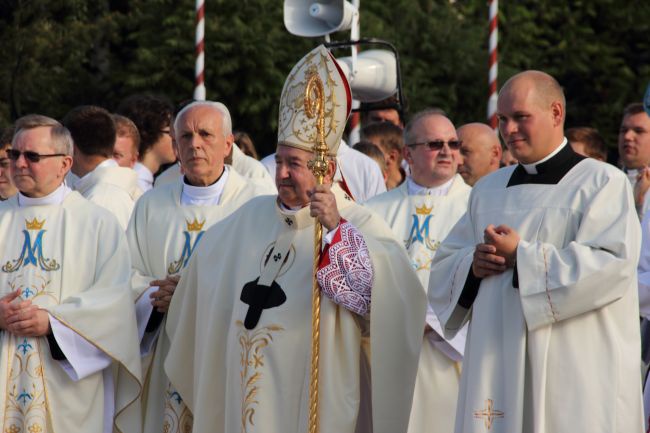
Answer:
[(315, 107)]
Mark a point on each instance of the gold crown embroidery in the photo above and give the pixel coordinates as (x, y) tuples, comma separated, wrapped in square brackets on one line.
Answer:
[(34, 224), (194, 226), (423, 210)]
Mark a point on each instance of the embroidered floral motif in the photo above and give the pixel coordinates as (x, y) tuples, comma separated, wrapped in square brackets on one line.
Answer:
[(252, 342), (177, 417), (25, 400)]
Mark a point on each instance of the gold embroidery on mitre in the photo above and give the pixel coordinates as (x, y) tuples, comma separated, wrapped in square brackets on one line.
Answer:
[(252, 343), (489, 414), (194, 226), (34, 224), (295, 128), (423, 210)]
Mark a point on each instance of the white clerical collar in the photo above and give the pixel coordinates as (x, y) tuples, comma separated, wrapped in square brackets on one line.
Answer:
[(415, 189), (204, 195), (290, 210), (55, 197), (532, 169), (109, 162), (632, 174)]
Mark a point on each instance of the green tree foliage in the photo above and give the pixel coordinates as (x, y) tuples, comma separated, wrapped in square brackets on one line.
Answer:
[(58, 54)]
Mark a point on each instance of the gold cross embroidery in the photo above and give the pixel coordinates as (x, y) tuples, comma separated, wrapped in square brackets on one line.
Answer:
[(488, 414)]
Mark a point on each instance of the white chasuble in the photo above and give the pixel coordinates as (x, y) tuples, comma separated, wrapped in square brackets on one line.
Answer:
[(111, 187), (162, 236), (554, 347), (236, 379), (422, 222), (248, 167), (72, 260)]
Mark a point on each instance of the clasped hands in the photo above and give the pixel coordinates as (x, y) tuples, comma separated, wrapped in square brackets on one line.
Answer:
[(22, 318), (497, 253)]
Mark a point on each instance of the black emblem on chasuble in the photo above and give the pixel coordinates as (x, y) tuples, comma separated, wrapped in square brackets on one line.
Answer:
[(259, 298)]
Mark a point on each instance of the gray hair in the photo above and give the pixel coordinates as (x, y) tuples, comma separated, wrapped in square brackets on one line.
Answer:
[(226, 121), (61, 138), (408, 130)]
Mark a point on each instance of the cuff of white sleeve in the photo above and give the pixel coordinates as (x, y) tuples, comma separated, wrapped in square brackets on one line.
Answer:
[(83, 358), (330, 235)]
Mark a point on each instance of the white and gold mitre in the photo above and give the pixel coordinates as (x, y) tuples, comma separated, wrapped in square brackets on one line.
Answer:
[(295, 128)]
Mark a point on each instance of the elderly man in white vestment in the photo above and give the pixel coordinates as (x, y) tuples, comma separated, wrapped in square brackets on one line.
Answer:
[(69, 335), (421, 212), (240, 320), (544, 263), (357, 173), (167, 224), (243, 164), (98, 176)]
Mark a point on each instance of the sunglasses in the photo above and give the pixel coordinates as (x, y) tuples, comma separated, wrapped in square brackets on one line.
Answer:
[(30, 156), (438, 144)]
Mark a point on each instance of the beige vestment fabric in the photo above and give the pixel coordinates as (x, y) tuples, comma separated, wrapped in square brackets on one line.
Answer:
[(162, 236), (422, 222), (72, 260), (240, 380), (113, 188), (560, 352)]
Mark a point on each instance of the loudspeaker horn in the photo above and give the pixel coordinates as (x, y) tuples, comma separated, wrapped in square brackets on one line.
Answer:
[(375, 75), (318, 18)]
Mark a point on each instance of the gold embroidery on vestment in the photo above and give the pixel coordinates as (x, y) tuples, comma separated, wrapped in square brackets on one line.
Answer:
[(177, 418), (252, 342), (489, 414)]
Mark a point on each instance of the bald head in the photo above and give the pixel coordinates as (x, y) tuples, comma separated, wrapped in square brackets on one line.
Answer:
[(531, 109), (480, 151), (545, 89), (431, 149)]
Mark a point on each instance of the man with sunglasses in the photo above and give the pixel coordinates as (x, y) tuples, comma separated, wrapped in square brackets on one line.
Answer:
[(421, 212), (66, 310), (544, 263)]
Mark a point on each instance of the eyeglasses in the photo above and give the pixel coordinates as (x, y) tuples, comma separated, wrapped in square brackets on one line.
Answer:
[(30, 156), (438, 144)]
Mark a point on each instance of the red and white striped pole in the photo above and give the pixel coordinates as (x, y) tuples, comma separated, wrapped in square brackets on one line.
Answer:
[(493, 64), (199, 67)]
